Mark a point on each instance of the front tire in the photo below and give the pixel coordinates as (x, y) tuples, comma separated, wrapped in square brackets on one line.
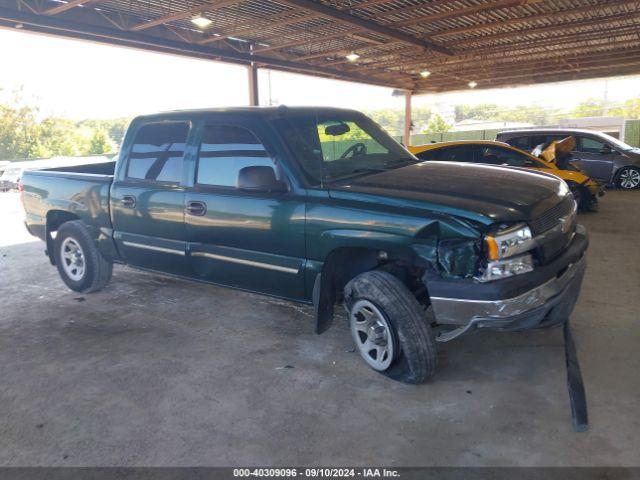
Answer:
[(389, 328), (80, 264), (585, 201), (628, 178)]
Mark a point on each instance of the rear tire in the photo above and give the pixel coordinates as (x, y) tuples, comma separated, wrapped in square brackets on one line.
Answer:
[(628, 178), (385, 317), (80, 264)]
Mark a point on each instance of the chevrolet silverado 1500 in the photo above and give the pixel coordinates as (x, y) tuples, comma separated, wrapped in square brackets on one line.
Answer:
[(320, 205)]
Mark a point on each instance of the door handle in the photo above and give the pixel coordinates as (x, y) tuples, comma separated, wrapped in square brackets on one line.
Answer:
[(196, 208), (128, 201)]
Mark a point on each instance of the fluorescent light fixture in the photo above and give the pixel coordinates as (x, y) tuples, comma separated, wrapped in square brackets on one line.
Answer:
[(201, 21), (352, 57), (425, 73), (472, 84)]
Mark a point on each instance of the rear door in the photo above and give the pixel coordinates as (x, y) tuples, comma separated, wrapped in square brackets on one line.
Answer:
[(248, 240), (595, 157), (148, 197)]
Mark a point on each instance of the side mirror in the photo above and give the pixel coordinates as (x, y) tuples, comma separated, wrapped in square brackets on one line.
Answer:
[(261, 179), (606, 150)]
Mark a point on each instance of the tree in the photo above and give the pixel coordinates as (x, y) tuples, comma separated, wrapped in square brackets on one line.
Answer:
[(589, 108), (23, 135), (17, 128), (629, 109), (99, 143), (437, 125)]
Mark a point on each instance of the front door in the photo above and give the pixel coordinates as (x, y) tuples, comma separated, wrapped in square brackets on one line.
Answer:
[(594, 157), (248, 240), (147, 199)]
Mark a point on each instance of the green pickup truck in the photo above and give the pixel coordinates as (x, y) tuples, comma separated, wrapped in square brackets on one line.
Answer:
[(320, 205)]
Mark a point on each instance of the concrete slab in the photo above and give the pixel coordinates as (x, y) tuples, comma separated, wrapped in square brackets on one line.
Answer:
[(157, 371)]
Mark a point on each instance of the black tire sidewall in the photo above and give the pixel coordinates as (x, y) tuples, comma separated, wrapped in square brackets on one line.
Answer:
[(79, 233), (413, 363)]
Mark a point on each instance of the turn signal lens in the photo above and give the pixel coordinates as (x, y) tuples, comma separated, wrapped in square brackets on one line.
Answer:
[(492, 248)]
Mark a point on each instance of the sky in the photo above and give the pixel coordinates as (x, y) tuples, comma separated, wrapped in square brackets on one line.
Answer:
[(79, 79)]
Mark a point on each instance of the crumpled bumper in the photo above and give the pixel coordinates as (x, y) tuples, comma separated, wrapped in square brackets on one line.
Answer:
[(547, 303)]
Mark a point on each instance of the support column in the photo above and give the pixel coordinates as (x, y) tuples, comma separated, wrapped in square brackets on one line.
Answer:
[(407, 118), (254, 99)]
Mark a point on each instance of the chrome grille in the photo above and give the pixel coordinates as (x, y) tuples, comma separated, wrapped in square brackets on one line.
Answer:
[(551, 217)]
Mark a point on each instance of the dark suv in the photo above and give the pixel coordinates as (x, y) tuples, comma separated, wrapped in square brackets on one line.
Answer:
[(601, 156)]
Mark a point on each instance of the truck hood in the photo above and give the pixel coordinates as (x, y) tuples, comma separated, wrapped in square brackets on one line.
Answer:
[(481, 192)]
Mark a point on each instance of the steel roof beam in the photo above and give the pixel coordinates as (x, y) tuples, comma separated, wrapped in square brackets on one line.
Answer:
[(206, 7), (361, 23)]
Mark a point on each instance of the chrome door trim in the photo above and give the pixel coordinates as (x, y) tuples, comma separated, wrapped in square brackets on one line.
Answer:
[(250, 263), (153, 247)]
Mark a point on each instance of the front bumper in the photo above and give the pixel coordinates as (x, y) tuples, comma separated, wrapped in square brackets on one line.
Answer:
[(548, 302)]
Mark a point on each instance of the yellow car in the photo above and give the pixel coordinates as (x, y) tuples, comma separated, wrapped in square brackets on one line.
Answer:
[(585, 190)]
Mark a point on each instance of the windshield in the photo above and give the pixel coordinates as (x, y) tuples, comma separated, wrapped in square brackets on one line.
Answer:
[(617, 143), (333, 146)]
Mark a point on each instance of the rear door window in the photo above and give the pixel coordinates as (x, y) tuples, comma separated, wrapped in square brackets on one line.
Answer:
[(158, 152), (429, 154), (505, 156), (224, 151), (462, 153), (589, 145)]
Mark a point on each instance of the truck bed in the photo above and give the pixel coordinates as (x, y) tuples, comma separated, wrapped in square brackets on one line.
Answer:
[(103, 168), (63, 193)]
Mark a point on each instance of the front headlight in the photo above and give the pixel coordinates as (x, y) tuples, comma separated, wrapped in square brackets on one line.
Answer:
[(498, 269), (509, 242)]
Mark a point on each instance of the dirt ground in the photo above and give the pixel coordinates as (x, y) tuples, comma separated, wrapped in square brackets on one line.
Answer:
[(157, 371)]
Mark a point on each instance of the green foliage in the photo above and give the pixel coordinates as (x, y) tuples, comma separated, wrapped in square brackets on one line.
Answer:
[(99, 143), (437, 125), (24, 135), (629, 109), (589, 108), (392, 120), (522, 113)]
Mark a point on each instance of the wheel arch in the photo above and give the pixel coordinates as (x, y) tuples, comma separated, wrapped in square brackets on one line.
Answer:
[(354, 255), (54, 220)]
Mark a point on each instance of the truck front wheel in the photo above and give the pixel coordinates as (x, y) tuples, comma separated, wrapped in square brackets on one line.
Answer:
[(80, 263), (389, 328)]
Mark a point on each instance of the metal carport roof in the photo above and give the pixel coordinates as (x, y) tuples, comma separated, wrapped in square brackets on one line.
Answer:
[(492, 42)]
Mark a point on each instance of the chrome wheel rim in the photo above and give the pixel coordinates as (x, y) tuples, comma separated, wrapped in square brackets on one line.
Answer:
[(72, 258), (372, 335), (629, 178)]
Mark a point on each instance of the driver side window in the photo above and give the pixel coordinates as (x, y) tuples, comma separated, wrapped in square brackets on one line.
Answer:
[(346, 140)]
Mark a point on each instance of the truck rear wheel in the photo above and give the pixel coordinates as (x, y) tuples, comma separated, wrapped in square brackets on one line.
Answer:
[(80, 263), (389, 327)]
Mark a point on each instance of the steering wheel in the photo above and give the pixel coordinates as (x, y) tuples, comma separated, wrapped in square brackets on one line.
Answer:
[(355, 150)]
